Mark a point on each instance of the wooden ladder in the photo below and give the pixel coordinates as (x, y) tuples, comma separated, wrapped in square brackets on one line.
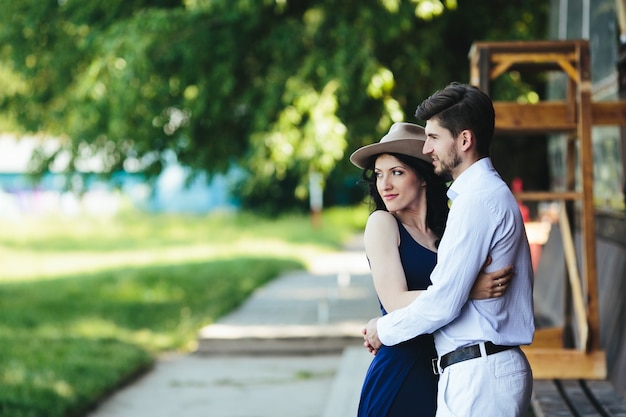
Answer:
[(575, 115)]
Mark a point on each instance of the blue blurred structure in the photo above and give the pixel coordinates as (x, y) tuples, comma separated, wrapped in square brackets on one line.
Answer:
[(172, 194), (92, 194)]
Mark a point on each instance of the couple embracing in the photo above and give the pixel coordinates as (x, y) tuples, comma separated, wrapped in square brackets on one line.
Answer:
[(451, 268)]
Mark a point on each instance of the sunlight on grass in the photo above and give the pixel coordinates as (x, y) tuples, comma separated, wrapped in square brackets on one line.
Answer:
[(63, 389), (39, 248), (97, 328), (29, 265), (87, 303)]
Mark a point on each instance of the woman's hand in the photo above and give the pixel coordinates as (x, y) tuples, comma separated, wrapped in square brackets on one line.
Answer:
[(491, 284), (370, 337)]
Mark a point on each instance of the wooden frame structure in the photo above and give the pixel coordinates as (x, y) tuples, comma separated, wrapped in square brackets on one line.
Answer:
[(574, 116)]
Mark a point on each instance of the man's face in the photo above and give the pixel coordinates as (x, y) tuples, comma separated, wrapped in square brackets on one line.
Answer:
[(442, 148)]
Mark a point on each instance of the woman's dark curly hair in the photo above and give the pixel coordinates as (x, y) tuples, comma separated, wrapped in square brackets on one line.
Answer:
[(436, 187)]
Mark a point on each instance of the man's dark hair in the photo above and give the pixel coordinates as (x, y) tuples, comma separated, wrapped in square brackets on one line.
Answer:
[(459, 107)]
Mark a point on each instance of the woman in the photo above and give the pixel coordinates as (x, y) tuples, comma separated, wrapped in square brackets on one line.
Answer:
[(401, 238)]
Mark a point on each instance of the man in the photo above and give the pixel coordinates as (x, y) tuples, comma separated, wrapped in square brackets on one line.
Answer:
[(483, 372)]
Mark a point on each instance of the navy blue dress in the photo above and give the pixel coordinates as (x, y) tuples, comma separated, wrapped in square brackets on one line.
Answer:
[(400, 380)]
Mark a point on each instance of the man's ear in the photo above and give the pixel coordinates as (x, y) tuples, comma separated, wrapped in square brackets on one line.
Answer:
[(467, 139)]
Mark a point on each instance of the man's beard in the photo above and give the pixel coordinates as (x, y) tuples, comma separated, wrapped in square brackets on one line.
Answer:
[(446, 167)]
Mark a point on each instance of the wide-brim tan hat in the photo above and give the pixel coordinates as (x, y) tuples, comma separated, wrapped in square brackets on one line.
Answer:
[(403, 138)]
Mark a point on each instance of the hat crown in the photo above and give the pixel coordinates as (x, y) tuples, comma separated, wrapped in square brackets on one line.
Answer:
[(403, 130), (402, 138)]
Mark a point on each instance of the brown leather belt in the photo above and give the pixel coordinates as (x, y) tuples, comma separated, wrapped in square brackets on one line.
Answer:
[(469, 352)]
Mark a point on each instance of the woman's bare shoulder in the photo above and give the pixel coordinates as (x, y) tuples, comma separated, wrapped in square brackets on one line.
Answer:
[(381, 224), (381, 216)]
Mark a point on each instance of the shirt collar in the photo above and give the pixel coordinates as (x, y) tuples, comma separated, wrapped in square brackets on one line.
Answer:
[(468, 178)]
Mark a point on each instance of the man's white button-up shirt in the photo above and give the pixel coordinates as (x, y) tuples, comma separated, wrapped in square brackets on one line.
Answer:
[(484, 220)]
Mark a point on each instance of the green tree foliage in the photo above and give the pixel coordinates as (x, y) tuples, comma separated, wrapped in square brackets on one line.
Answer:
[(282, 88)]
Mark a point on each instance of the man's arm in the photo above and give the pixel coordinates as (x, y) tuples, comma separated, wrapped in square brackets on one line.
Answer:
[(464, 246), (494, 284)]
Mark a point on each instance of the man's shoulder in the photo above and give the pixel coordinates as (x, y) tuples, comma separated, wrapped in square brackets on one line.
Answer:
[(492, 187), (492, 198)]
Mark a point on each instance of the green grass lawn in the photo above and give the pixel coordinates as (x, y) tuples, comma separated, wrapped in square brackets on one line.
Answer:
[(88, 303)]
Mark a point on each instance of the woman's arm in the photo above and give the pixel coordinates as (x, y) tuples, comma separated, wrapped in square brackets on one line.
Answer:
[(491, 284), (381, 247)]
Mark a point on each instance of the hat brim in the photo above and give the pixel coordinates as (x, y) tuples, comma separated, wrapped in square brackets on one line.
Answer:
[(411, 147)]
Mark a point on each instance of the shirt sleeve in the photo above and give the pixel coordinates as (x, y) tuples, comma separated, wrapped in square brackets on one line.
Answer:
[(461, 254)]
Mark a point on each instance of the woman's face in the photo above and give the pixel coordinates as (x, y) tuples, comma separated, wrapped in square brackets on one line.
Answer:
[(397, 184)]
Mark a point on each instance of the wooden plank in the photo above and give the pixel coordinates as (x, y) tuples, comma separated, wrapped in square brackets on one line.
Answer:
[(585, 152), (574, 394), (549, 337), (609, 113), (608, 399), (524, 56), (544, 117), (565, 398), (546, 400), (549, 363), (542, 46), (532, 57), (548, 195), (574, 279), (554, 116), (540, 62), (483, 66)]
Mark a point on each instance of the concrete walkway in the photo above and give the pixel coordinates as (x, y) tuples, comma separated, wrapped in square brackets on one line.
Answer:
[(293, 349)]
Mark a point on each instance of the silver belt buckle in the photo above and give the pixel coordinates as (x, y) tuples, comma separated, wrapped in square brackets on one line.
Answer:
[(434, 365)]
